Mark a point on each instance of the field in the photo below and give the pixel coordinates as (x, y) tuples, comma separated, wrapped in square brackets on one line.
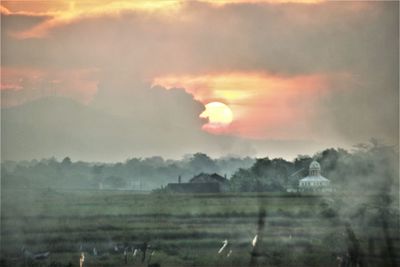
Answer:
[(186, 230)]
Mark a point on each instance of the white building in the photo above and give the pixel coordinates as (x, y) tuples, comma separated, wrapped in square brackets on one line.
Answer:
[(315, 182)]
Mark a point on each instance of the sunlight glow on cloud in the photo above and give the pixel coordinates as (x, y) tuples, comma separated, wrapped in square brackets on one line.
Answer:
[(20, 85), (225, 2), (62, 12), (287, 70), (264, 105)]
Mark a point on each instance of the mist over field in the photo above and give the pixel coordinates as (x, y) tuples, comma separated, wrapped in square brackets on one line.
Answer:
[(199, 133), (358, 169), (60, 207)]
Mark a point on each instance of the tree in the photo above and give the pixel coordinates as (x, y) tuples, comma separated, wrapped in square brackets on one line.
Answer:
[(265, 175), (200, 162), (97, 169), (66, 161)]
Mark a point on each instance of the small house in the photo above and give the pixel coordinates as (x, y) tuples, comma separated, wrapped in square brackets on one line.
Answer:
[(201, 183)]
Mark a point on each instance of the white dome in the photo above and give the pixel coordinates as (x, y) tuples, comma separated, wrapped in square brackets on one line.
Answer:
[(315, 166), (314, 179)]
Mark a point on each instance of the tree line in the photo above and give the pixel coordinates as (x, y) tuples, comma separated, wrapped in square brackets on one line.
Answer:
[(141, 173), (366, 166)]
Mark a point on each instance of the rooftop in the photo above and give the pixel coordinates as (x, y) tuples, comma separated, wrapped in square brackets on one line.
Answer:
[(208, 178)]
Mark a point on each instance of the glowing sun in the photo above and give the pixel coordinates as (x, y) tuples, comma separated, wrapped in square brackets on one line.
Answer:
[(218, 114)]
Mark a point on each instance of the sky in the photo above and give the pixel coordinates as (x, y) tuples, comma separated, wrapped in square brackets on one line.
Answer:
[(294, 77)]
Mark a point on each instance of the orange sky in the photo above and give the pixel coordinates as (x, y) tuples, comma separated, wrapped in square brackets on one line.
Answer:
[(262, 104), (32, 83), (280, 65), (63, 12), (55, 6)]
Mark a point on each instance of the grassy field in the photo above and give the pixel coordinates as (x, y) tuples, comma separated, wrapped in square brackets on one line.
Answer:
[(184, 230)]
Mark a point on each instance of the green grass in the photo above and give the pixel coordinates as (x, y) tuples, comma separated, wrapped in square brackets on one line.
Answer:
[(184, 230)]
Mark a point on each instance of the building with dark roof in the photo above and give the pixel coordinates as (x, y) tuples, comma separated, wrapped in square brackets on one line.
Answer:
[(201, 183)]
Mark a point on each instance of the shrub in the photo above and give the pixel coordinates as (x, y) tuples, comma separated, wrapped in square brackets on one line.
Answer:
[(329, 213)]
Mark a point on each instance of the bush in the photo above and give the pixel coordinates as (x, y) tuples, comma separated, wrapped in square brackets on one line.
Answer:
[(329, 213)]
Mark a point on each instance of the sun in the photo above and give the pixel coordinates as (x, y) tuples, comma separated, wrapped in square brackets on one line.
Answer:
[(218, 114)]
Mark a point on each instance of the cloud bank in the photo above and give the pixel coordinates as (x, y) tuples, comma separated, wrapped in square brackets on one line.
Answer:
[(323, 73)]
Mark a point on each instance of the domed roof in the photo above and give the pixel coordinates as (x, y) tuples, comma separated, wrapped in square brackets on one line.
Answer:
[(315, 174), (315, 166), (314, 179)]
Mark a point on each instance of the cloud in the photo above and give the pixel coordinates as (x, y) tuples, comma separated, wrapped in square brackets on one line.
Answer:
[(347, 49), (63, 12), (264, 105), (149, 121), (62, 16), (20, 85), (286, 39)]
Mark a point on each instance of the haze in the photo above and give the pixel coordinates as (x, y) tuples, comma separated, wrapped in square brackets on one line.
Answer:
[(109, 80)]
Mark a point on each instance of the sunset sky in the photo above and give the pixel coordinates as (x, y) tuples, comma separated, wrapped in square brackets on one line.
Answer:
[(288, 77)]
